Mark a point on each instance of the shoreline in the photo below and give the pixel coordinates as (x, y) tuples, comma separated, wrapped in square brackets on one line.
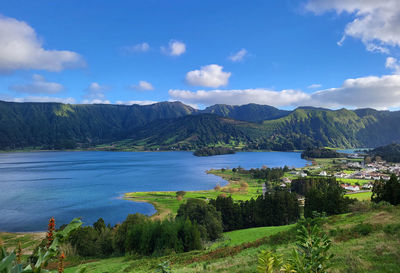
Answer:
[(238, 186)]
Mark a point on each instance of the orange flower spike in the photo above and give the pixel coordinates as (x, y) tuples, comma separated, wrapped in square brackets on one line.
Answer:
[(50, 229), (61, 262)]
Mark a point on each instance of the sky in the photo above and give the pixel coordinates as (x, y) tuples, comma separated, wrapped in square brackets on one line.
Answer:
[(286, 53)]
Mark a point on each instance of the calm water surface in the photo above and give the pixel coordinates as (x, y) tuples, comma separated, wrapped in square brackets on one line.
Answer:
[(35, 186)]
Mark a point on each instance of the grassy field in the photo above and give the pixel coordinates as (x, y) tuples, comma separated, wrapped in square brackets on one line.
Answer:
[(374, 251), (240, 187), (362, 196), (28, 241), (238, 237)]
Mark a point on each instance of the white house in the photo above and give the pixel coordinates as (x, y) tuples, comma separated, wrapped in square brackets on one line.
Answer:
[(352, 188), (323, 173)]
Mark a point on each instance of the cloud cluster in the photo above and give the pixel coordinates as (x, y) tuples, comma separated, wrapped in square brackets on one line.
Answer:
[(139, 102), (174, 48), (393, 63), (95, 94), (240, 97), (138, 48), (42, 99), (38, 85), (314, 86), (20, 48), (208, 76), (238, 56), (142, 86), (376, 23), (375, 92)]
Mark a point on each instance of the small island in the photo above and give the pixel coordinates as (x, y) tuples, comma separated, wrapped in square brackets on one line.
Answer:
[(210, 151), (319, 153)]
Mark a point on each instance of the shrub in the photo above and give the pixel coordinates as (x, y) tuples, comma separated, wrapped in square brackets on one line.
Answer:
[(362, 229), (392, 229)]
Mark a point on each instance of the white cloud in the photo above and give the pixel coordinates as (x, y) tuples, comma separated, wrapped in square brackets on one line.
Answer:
[(43, 99), (376, 22), (375, 92), (208, 76), (138, 48), (38, 86), (238, 56), (95, 94), (175, 48), (240, 97), (20, 48), (314, 86), (96, 101), (139, 102), (393, 63), (142, 86)]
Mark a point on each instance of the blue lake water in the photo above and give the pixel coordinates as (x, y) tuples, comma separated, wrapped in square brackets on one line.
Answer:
[(38, 185)]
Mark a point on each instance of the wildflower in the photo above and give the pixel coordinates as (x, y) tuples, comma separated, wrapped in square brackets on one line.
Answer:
[(61, 263), (50, 231)]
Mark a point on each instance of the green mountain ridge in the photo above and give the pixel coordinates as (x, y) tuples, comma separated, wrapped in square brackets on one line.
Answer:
[(174, 125)]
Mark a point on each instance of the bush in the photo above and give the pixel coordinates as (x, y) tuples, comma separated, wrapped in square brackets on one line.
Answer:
[(392, 229), (203, 214), (362, 229), (360, 206)]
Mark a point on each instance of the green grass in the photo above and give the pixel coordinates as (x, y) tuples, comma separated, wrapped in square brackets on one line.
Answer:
[(28, 241), (237, 237), (376, 252), (166, 202), (361, 196), (352, 181)]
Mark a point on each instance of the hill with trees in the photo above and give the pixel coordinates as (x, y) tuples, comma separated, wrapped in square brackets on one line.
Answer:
[(173, 125), (390, 153)]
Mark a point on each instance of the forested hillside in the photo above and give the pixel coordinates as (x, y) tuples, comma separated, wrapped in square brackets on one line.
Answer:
[(173, 125), (56, 125)]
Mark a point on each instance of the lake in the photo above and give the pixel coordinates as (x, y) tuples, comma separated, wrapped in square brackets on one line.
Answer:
[(35, 186)]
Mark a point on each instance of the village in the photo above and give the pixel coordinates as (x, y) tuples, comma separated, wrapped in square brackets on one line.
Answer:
[(352, 172)]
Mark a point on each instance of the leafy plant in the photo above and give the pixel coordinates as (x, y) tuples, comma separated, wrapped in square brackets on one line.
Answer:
[(164, 267), (309, 255), (10, 264)]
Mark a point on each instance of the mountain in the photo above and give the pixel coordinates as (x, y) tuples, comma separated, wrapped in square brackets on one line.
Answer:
[(173, 125), (304, 127), (249, 112), (55, 124), (390, 153)]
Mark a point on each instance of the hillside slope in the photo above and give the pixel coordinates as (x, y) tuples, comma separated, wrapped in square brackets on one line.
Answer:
[(173, 125)]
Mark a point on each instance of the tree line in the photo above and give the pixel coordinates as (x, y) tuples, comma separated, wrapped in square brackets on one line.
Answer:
[(198, 221), (277, 208)]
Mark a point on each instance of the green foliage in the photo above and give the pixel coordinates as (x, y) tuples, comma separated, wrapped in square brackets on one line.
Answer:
[(203, 214), (210, 151), (138, 234), (276, 208), (270, 262), (321, 195), (388, 191), (164, 267), (173, 125), (319, 153), (389, 152), (8, 262), (309, 255)]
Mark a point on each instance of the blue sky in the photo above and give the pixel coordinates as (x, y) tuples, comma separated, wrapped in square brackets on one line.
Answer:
[(283, 53)]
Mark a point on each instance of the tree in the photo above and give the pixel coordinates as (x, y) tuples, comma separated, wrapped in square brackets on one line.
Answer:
[(388, 191), (205, 215)]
